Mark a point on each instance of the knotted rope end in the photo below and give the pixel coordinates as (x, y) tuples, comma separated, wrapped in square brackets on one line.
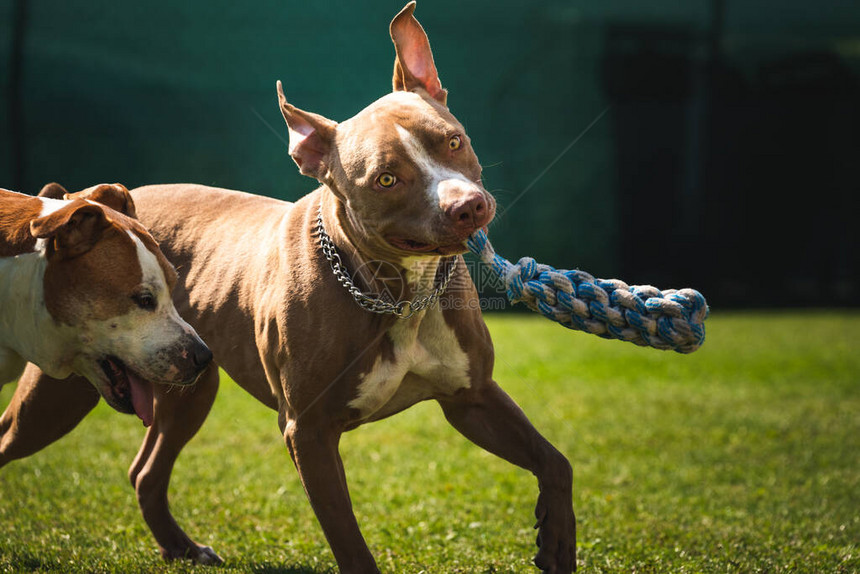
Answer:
[(640, 314)]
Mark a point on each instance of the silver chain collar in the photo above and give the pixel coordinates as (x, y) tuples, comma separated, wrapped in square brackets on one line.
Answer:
[(401, 309)]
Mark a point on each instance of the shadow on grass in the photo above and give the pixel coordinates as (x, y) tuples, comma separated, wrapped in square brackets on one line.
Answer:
[(268, 568), (24, 561)]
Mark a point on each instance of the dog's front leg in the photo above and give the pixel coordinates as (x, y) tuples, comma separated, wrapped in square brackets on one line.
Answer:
[(489, 417), (179, 414), (314, 449), (42, 410)]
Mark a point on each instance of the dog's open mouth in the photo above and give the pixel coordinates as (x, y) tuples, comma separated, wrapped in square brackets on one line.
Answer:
[(420, 247), (129, 393)]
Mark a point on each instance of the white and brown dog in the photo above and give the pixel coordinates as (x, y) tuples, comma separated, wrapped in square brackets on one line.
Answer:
[(273, 288), (85, 290)]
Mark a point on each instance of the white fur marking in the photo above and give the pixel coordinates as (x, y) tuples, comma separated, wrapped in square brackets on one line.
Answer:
[(425, 346), (153, 275), (142, 338), (27, 329), (150, 269), (50, 205), (433, 170)]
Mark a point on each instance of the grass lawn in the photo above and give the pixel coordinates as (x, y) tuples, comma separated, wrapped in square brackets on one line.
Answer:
[(742, 457)]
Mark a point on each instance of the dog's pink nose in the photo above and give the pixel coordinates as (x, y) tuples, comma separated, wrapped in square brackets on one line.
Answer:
[(469, 213)]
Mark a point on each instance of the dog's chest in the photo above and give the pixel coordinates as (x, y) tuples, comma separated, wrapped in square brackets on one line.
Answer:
[(427, 361)]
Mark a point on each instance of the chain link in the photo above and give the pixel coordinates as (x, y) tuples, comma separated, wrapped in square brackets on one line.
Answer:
[(401, 309)]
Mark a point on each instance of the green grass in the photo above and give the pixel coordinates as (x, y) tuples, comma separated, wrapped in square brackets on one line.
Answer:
[(743, 457)]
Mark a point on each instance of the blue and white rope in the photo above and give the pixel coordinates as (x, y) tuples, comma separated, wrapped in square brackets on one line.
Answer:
[(608, 308)]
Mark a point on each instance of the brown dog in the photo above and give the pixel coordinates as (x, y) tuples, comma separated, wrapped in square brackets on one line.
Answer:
[(85, 289), (274, 289)]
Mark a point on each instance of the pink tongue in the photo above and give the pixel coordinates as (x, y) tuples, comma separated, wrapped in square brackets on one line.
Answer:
[(141, 398)]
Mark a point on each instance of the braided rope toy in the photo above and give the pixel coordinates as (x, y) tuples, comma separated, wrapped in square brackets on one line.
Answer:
[(608, 308)]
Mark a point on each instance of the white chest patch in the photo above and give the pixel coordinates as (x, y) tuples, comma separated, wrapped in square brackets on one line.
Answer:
[(427, 361)]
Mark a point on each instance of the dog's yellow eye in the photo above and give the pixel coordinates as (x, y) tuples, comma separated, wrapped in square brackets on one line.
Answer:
[(386, 180), (454, 143)]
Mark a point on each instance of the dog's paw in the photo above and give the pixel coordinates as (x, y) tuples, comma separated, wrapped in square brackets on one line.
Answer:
[(558, 557), (199, 554), (556, 539), (208, 557)]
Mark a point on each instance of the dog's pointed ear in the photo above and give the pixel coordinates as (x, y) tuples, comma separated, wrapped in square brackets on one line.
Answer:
[(311, 137), (413, 64), (71, 230), (114, 195)]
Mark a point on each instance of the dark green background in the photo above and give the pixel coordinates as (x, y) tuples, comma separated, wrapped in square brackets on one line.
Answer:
[(727, 157)]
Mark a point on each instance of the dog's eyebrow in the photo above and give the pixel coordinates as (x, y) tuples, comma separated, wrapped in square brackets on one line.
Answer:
[(423, 159), (389, 160)]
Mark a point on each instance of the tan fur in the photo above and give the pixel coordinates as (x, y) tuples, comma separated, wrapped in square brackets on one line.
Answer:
[(16, 213), (72, 295), (70, 273), (87, 282), (115, 196), (254, 282)]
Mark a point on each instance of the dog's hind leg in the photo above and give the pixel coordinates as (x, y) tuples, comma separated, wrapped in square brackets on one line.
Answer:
[(42, 410), (179, 413), (491, 419)]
